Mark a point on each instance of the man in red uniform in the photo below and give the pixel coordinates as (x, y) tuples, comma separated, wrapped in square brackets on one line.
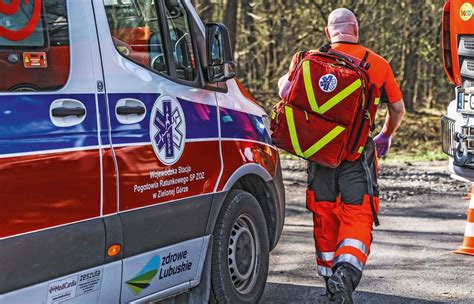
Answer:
[(339, 197)]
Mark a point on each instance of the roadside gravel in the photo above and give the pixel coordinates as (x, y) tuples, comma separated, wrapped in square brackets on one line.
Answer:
[(422, 220)]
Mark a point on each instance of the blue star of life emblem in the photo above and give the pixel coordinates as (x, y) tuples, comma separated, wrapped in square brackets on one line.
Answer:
[(167, 130), (328, 83)]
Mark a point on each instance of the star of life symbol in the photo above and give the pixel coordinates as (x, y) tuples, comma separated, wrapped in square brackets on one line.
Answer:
[(167, 130), (328, 83)]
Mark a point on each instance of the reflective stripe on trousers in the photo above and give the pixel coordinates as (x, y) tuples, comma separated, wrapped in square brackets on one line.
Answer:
[(325, 256), (349, 258), (324, 271), (324, 261), (356, 244)]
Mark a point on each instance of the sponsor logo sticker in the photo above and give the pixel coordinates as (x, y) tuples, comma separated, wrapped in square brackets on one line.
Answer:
[(143, 279), (466, 11), (164, 267), (62, 290), (328, 83), (74, 286), (168, 130)]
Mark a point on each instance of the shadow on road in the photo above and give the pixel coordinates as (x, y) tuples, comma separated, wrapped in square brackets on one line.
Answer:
[(290, 293)]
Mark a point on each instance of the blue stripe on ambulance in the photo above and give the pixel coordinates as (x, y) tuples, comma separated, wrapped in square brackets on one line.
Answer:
[(201, 120), (241, 125), (25, 124)]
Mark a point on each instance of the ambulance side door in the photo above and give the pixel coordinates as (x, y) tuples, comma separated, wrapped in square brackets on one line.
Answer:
[(50, 149), (165, 137)]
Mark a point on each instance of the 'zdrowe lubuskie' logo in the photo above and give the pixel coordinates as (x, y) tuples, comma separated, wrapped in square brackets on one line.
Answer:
[(13, 8), (143, 279), (466, 11)]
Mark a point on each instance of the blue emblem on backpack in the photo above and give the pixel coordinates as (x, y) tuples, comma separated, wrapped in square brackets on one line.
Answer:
[(328, 83)]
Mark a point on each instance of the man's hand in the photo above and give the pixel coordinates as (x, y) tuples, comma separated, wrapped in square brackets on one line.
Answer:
[(382, 143)]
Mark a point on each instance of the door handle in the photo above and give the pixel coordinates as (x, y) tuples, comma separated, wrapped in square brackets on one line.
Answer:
[(67, 112), (62, 112), (130, 110)]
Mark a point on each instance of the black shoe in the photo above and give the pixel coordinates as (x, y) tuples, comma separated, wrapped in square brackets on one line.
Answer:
[(323, 299), (329, 295), (341, 286)]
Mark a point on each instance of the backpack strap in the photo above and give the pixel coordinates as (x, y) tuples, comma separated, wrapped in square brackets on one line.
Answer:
[(342, 55), (370, 189), (364, 64), (325, 48), (301, 56)]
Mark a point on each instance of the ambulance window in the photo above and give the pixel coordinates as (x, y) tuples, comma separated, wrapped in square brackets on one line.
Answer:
[(181, 41), (34, 46), (135, 29), (34, 35)]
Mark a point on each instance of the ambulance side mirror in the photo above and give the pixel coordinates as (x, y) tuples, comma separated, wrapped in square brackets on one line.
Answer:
[(221, 66)]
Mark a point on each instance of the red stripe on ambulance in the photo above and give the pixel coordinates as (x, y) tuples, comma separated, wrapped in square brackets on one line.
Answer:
[(238, 153), (49, 190)]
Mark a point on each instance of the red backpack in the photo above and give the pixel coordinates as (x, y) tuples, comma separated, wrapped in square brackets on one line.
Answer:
[(330, 109)]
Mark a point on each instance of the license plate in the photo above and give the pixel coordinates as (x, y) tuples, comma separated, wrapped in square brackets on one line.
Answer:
[(465, 102)]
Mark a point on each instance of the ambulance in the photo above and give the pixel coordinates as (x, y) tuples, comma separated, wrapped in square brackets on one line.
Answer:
[(134, 167), (457, 126)]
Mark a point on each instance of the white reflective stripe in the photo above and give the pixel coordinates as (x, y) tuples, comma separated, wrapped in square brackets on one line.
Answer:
[(469, 230), (325, 256), (324, 271), (349, 258), (354, 243)]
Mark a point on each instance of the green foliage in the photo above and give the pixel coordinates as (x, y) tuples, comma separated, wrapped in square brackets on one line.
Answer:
[(407, 33)]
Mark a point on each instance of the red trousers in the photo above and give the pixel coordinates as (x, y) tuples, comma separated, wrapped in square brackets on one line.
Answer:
[(342, 233), (342, 213)]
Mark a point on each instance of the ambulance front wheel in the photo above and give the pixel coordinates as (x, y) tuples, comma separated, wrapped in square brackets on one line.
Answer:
[(240, 253)]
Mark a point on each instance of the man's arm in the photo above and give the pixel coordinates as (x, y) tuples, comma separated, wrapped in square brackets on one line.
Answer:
[(396, 112)]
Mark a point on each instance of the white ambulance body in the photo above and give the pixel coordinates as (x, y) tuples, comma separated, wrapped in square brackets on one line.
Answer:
[(458, 53), (133, 166)]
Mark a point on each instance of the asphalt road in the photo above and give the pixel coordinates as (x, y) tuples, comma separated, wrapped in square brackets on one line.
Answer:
[(422, 221)]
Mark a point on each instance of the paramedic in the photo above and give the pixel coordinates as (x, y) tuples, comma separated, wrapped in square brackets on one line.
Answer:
[(341, 208)]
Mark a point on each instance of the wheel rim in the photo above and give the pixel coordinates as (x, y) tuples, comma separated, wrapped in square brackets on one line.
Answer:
[(25, 89), (244, 251)]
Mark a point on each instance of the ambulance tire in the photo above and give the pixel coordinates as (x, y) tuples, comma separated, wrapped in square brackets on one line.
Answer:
[(240, 253)]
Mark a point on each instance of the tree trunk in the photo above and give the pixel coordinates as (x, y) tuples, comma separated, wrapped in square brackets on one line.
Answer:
[(230, 20), (205, 9), (411, 62)]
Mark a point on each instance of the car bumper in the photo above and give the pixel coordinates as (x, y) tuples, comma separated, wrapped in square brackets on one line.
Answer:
[(457, 135)]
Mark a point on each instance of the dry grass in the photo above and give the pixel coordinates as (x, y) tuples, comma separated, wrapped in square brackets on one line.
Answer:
[(418, 138)]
